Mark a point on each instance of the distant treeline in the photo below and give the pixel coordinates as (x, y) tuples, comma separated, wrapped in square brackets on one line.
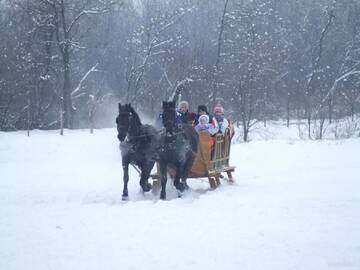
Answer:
[(67, 63)]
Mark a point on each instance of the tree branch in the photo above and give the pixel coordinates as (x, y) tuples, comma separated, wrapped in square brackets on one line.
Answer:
[(82, 13), (77, 89)]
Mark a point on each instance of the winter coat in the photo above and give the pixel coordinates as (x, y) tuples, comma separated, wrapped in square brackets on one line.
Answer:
[(203, 127), (223, 123), (214, 127)]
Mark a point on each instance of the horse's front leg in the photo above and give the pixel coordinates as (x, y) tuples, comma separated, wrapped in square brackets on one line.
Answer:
[(186, 170), (179, 186), (145, 173), (126, 180), (163, 175)]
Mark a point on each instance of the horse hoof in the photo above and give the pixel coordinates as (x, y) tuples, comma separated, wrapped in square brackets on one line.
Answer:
[(162, 196), (125, 197), (180, 187), (186, 186), (146, 187)]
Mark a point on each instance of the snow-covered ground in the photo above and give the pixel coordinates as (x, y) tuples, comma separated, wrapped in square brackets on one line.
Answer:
[(295, 205)]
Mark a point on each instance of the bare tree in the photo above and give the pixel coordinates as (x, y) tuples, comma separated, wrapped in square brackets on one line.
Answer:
[(218, 54), (67, 63), (65, 22)]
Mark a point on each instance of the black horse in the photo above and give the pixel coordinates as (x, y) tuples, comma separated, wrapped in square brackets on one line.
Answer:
[(139, 144), (179, 144)]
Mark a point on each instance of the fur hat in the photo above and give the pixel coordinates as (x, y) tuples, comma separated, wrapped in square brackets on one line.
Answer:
[(219, 109), (204, 117), (183, 104), (202, 108)]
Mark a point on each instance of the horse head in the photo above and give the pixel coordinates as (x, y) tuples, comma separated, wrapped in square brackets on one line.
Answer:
[(169, 116), (128, 122), (123, 121)]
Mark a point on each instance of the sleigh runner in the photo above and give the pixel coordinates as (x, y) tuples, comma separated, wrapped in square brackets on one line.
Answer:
[(208, 163)]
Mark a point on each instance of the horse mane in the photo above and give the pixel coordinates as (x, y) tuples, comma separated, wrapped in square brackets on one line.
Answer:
[(134, 115), (168, 105)]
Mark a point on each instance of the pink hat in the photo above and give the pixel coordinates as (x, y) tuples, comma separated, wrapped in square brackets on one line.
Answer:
[(219, 109)]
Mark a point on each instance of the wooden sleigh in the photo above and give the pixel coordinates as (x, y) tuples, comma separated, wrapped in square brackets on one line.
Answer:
[(210, 164)]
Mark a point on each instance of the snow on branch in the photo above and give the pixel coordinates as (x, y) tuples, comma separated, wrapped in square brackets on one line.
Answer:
[(173, 20), (179, 87), (157, 53), (85, 12), (344, 76), (324, 31), (161, 43), (77, 45), (77, 89), (334, 86), (165, 75), (184, 82)]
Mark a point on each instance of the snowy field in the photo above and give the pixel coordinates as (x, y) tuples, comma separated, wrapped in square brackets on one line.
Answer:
[(295, 205)]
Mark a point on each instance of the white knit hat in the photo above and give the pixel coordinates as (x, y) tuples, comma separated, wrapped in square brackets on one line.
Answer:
[(204, 117)]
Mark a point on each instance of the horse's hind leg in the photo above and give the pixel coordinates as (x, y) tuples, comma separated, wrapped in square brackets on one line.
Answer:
[(145, 172), (163, 177), (126, 180)]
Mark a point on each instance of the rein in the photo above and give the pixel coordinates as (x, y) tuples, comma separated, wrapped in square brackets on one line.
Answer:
[(171, 134), (161, 131), (135, 137)]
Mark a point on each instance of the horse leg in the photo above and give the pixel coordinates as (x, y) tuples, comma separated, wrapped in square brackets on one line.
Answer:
[(185, 172), (179, 186), (163, 172), (183, 177), (145, 172), (126, 180), (184, 182)]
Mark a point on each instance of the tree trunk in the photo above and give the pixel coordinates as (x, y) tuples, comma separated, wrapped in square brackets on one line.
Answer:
[(218, 55), (245, 128), (246, 133), (28, 114), (61, 116), (91, 118), (288, 113), (309, 124), (67, 104), (321, 128), (331, 108), (91, 106)]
